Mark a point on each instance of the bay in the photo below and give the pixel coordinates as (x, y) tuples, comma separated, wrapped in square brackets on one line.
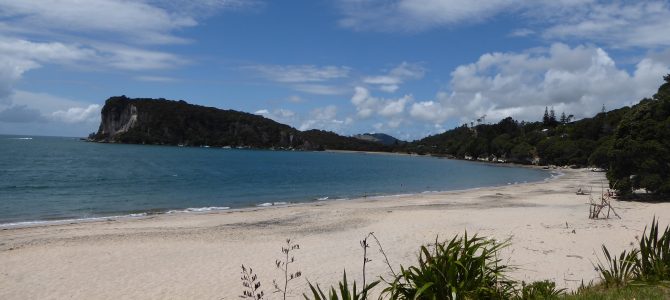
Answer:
[(55, 178)]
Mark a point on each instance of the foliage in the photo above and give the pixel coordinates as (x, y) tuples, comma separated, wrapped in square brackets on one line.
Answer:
[(641, 146), (465, 267), (553, 142), (650, 263), (343, 288), (654, 262), (621, 270), (540, 290)]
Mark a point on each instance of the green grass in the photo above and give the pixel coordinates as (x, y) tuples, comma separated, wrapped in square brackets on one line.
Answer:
[(639, 292)]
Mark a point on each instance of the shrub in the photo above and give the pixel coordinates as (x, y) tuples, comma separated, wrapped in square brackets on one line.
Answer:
[(540, 290), (654, 262), (343, 287), (465, 267), (650, 263)]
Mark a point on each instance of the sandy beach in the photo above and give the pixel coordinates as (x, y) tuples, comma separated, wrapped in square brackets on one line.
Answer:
[(198, 255)]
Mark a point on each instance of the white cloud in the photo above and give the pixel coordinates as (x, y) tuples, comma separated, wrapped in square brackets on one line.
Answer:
[(295, 99), (160, 79), (281, 115), (430, 111), (576, 80), (11, 71), (615, 23), (391, 81), (140, 21), (300, 73), (324, 118), (54, 109), (89, 114), (320, 89), (415, 15), (522, 32), (391, 88), (18, 56), (318, 80), (368, 105), (619, 24)]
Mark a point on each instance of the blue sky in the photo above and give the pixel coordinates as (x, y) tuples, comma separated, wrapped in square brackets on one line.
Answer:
[(409, 68)]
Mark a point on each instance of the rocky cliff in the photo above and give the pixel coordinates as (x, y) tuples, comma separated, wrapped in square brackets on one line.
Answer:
[(167, 122)]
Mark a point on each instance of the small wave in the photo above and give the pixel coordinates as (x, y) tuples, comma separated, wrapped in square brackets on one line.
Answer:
[(65, 221), (20, 138), (322, 198), (198, 209), (266, 204)]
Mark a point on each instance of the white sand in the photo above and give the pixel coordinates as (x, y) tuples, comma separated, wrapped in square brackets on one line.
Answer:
[(198, 256)]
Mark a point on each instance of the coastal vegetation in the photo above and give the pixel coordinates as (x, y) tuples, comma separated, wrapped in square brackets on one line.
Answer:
[(470, 267), (631, 143), (640, 149)]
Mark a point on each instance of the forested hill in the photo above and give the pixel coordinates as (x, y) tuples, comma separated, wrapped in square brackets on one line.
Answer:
[(167, 122), (583, 142), (555, 140)]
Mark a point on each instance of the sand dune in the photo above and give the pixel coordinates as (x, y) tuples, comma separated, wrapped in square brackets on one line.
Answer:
[(198, 255)]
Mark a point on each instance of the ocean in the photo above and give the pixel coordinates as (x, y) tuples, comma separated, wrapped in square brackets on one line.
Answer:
[(47, 179)]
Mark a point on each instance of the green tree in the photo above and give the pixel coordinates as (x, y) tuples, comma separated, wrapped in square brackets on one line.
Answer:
[(641, 149)]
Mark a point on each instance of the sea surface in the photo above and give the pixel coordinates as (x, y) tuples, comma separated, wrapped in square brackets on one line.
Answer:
[(45, 179)]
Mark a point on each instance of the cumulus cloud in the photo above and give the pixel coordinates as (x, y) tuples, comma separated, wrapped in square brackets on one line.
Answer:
[(49, 111), (391, 81), (368, 105), (78, 114), (577, 80)]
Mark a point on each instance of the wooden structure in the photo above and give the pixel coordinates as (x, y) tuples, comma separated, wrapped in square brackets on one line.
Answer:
[(601, 208)]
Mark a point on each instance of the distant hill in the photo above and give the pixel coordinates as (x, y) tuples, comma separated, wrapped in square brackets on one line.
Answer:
[(331, 140), (168, 122), (381, 138)]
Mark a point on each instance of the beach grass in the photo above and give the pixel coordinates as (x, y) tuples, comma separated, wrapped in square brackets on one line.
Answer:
[(636, 291)]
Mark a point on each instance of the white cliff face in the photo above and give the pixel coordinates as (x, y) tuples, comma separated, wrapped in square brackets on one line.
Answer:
[(118, 122), (131, 121)]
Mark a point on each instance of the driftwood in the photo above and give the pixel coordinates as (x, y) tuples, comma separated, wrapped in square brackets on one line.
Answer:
[(597, 207)]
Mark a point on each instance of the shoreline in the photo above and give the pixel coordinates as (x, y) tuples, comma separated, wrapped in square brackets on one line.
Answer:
[(198, 255), (553, 175)]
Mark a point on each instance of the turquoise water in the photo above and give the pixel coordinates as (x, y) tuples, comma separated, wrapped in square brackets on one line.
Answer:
[(50, 178)]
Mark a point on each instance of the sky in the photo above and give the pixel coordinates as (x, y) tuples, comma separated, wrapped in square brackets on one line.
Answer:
[(409, 68)]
